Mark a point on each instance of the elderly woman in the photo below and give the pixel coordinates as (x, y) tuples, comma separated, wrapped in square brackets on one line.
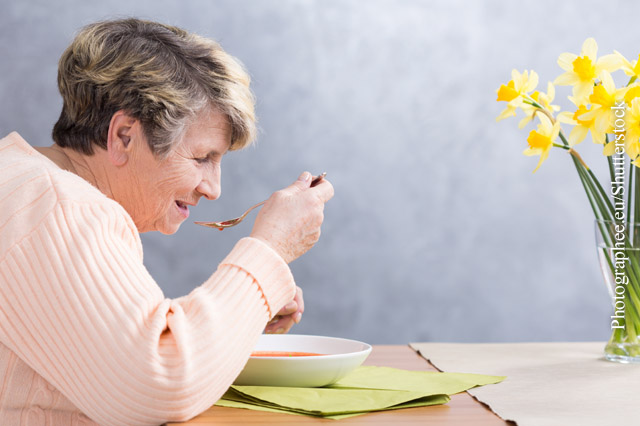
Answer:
[(86, 334)]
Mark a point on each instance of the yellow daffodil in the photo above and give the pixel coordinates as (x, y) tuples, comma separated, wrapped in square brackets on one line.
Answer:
[(541, 140), (581, 127), (582, 71), (632, 122), (544, 100), (633, 92), (512, 92), (604, 97), (632, 127), (632, 69)]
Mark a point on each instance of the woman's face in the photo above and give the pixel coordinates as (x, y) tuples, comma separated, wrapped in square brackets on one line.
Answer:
[(159, 192)]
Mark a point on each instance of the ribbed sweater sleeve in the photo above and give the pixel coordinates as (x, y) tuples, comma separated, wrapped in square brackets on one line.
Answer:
[(79, 307)]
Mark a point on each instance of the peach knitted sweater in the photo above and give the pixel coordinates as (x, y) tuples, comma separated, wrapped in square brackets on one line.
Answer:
[(86, 334)]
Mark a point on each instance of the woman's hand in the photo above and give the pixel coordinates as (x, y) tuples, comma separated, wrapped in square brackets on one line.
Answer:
[(290, 314), (289, 222)]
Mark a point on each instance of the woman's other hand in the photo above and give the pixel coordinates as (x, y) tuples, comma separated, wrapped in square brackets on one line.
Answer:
[(290, 220), (290, 314)]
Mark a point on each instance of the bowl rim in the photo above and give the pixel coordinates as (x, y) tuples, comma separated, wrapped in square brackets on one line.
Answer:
[(367, 347)]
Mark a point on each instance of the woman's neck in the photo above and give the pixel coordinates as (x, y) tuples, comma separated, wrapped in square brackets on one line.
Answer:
[(87, 167)]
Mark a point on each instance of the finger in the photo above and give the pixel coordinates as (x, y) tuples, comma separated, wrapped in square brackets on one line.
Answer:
[(324, 189), (286, 325), (297, 316), (283, 325), (303, 182), (299, 299), (276, 323), (274, 320), (289, 308)]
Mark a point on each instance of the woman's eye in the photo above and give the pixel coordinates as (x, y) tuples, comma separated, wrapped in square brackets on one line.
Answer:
[(201, 160)]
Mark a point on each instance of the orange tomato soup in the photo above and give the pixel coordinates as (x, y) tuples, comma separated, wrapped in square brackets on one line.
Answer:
[(283, 353)]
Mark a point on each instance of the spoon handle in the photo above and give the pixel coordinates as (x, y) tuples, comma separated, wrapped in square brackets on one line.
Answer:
[(316, 180)]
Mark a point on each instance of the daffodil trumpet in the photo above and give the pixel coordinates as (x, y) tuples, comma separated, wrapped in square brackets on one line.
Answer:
[(611, 116)]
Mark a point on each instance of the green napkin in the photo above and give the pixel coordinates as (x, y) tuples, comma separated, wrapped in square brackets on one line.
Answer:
[(364, 390)]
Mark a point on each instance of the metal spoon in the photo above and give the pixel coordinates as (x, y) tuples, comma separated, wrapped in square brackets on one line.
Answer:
[(233, 222)]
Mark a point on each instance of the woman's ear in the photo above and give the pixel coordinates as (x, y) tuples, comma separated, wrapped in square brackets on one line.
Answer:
[(122, 129)]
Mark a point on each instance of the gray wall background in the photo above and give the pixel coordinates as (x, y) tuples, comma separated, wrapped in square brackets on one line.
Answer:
[(438, 230)]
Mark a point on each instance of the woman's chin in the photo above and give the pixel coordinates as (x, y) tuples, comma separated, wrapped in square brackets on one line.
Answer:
[(168, 226), (169, 231)]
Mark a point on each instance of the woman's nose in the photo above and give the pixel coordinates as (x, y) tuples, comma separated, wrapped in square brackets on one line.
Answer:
[(210, 186)]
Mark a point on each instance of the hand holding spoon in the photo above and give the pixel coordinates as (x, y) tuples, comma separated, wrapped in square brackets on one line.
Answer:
[(233, 222)]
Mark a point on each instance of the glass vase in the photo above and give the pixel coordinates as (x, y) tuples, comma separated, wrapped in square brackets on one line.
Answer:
[(618, 245)]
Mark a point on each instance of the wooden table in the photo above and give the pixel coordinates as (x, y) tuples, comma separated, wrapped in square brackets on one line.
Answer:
[(463, 409)]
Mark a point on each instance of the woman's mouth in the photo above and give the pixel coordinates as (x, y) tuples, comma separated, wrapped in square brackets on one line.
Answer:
[(183, 208)]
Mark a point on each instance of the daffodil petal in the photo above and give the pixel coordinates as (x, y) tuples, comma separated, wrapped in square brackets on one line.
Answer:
[(609, 63), (516, 77), (543, 156), (528, 119), (577, 135), (598, 137), (515, 103), (589, 115), (632, 93), (573, 100), (566, 117), (624, 60), (551, 92), (607, 82), (531, 83), (609, 149), (565, 61), (569, 78), (631, 143), (603, 122), (545, 125), (506, 113), (555, 131), (581, 91), (589, 48), (633, 149)]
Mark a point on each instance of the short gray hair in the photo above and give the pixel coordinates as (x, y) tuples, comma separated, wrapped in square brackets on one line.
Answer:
[(159, 74)]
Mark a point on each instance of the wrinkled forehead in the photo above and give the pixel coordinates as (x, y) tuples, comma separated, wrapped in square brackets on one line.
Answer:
[(209, 132)]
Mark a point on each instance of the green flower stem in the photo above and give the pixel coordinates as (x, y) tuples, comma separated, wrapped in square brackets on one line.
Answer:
[(633, 275), (636, 192), (631, 198), (631, 299), (595, 194), (612, 173), (600, 190), (564, 140), (587, 188), (603, 209), (596, 205)]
